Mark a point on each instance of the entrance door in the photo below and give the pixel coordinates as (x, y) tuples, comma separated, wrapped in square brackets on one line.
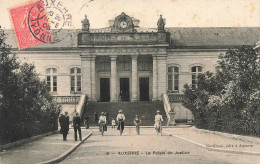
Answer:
[(104, 90), (124, 89), (144, 89)]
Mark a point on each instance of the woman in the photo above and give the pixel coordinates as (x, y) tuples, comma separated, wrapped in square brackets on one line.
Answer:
[(158, 122), (102, 121)]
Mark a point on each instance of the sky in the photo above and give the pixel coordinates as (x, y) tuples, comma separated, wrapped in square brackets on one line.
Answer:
[(178, 13)]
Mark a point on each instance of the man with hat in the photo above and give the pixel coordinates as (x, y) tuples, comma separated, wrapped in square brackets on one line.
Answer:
[(158, 122), (120, 118), (76, 125), (64, 124)]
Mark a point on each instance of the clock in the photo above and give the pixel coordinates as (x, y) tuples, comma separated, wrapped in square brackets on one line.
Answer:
[(123, 24)]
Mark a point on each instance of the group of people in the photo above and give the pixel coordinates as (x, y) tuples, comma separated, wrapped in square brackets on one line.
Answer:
[(102, 122), (64, 121), (121, 119)]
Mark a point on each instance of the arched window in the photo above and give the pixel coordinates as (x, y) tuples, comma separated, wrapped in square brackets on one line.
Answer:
[(173, 78), (195, 71), (51, 79), (75, 79)]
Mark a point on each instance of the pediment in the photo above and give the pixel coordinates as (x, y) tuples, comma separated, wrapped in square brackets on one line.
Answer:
[(123, 23)]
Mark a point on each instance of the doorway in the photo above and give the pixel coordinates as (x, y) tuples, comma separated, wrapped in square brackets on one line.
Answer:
[(144, 88), (104, 90), (124, 89)]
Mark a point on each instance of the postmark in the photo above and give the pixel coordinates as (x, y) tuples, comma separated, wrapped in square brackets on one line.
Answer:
[(38, 22), (59, 18), (24, 36)]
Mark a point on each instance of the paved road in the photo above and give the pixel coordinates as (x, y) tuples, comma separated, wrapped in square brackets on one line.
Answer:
[(131, 148)]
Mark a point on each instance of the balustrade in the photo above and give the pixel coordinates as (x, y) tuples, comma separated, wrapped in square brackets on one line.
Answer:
[(66, 99)]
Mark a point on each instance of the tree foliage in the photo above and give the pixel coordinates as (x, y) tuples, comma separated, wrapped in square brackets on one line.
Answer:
[(26, 108), (230, 99)]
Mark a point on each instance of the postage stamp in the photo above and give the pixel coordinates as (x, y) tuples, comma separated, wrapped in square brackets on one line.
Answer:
[(30, 24), (40, 22)]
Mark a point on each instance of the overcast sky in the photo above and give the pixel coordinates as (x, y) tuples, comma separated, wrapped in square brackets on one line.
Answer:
[(178, 13)]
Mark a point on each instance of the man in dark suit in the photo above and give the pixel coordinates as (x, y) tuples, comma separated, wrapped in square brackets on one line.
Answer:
[(76, 125), (64, 124), (96, 118)]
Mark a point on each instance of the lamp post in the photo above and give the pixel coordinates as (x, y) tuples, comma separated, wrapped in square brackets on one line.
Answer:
[(75, 93)]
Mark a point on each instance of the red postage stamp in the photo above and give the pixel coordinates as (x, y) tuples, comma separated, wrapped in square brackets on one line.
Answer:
[(31, 24)]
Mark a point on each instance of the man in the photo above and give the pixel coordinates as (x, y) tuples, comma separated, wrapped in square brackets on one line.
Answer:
[(86, 117), (120, 119), (76, 125), (64, 124), (96, 118), (107, 116), (158, 122)]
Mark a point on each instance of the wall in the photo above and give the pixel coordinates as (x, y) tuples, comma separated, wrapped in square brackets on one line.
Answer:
[(63, 61), (186, 59)]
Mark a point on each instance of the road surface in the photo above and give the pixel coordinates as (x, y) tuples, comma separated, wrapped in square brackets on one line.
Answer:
[(148, 148)]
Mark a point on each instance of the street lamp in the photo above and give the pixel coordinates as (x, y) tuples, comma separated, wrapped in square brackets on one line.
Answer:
[(75, 102)]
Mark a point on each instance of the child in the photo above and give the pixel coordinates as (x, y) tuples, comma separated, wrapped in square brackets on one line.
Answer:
[(137, 122), (113, 123)]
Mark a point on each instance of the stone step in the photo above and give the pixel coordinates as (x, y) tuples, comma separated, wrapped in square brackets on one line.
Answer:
[(145, 110)]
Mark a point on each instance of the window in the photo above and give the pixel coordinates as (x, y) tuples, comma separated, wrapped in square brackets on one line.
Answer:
[(173, 78), (51, 79), (195, 71), (75, 79), (218, 69)]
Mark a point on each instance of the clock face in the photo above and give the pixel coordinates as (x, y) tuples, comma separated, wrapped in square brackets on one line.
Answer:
[(123, 24)]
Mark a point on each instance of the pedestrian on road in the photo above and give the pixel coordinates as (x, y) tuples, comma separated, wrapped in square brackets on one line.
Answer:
[(137, 122), (102, 122), (64, 124), (107, 114), (158, 122), (120, 119), (76, 125), (113, 123), (96, 118), (86, 117)]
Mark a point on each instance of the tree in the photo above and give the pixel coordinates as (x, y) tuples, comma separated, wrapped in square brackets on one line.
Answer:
[(228, 100), (24, 99)]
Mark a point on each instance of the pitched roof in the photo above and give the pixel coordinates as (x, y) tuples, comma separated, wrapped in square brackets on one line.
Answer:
[(183, 37), (214, 36)]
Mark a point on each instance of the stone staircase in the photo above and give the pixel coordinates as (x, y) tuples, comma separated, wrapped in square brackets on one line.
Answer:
[(145, 110)]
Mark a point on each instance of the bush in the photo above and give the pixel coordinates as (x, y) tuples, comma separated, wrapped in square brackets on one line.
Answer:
[(26, 108), (229, 100)]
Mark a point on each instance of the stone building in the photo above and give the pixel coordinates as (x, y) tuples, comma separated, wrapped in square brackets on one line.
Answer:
[(125, 62)]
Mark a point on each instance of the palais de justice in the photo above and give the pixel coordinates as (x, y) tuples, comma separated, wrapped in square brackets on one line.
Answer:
[(128, 63)]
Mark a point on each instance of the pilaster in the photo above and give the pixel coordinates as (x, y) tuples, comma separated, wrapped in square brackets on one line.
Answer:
[(113, 80), (134, 78)]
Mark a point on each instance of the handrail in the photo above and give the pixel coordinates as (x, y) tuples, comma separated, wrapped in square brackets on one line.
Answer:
[(81, 105), (167, 107)]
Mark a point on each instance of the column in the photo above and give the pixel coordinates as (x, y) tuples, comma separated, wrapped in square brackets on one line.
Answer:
[(93, 78), (86, 75), (113, 80), (134, 78), (155, 78), (162, 75)]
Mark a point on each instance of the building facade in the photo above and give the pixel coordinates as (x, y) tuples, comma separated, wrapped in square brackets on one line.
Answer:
[(125, 62)]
